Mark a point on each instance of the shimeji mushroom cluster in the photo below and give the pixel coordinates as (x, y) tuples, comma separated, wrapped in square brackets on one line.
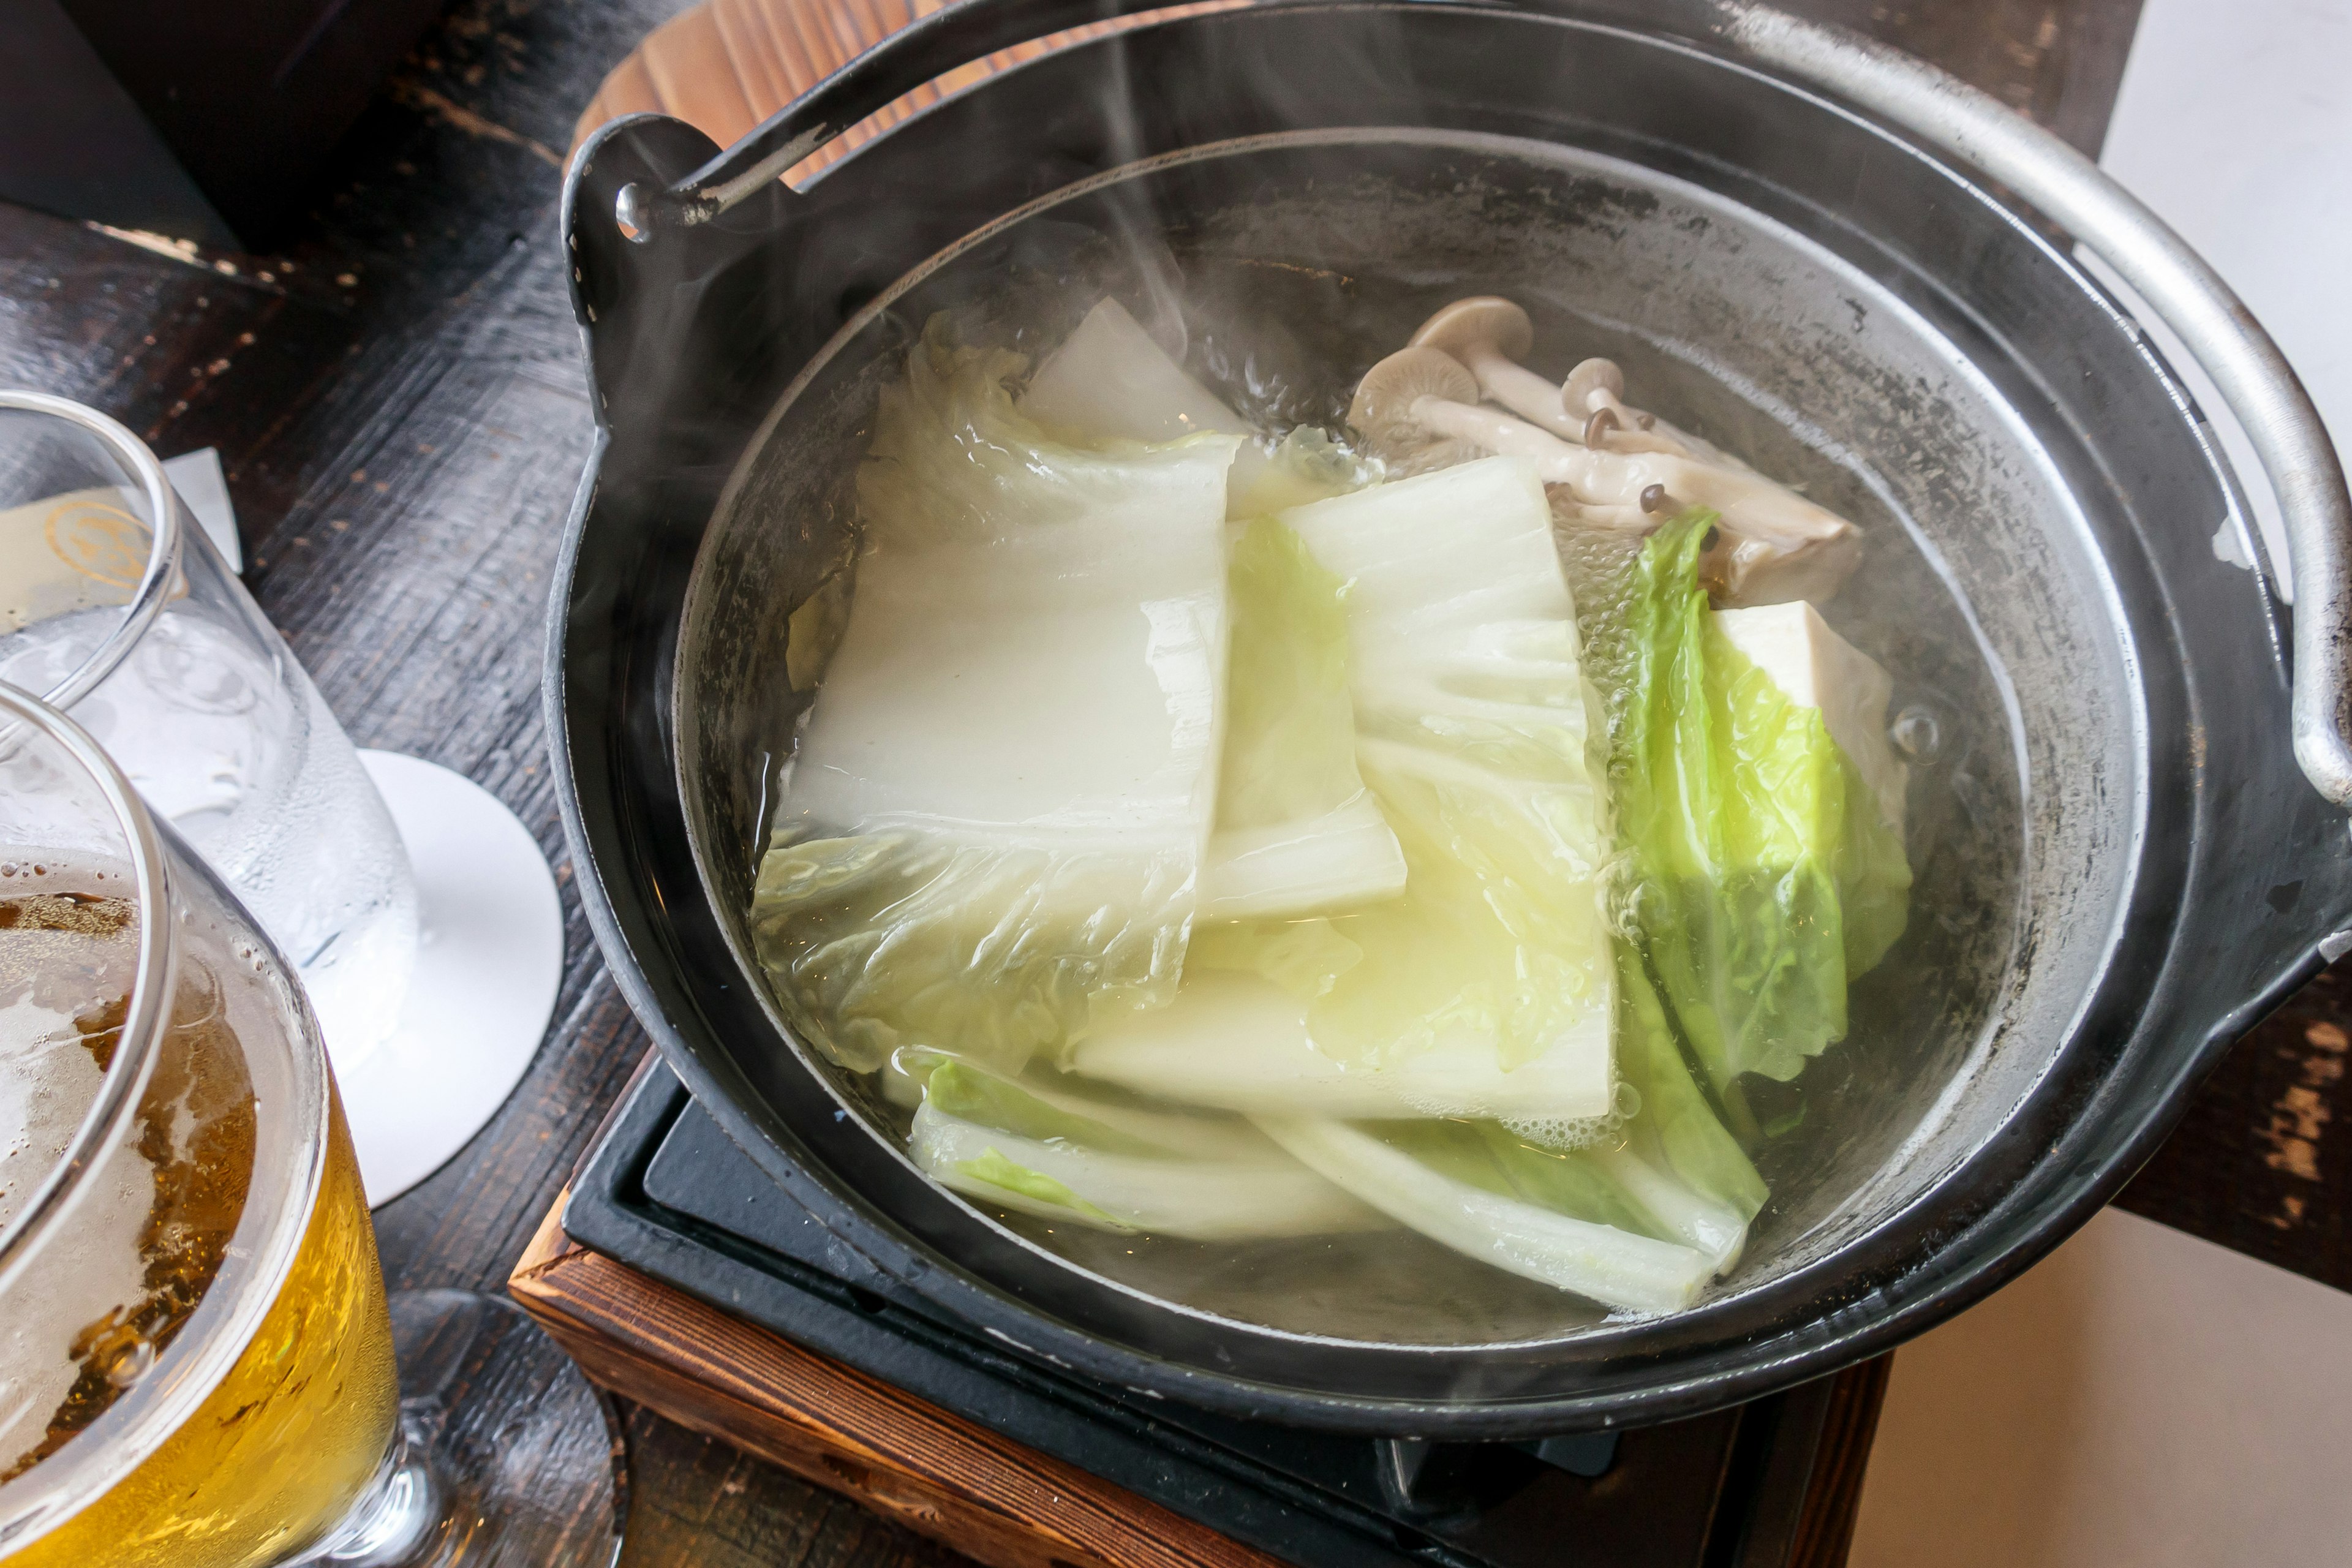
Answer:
[(1609, 463)]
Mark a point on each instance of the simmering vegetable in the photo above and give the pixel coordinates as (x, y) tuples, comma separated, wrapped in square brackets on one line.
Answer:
[(1488, 988), (1768, 872), (1229, 839), (993, 830)]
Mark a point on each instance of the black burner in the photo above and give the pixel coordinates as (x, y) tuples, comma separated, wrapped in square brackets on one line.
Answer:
[(665, 1192)]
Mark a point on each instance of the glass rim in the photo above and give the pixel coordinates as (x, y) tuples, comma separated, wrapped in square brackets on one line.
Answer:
[(133, 1060), (163, 545)]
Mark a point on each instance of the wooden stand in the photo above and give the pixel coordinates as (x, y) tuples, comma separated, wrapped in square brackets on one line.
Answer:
[(993, 1499), (986, 1496)]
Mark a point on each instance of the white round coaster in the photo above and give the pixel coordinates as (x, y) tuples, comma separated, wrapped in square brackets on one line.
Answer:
[(490, 957)]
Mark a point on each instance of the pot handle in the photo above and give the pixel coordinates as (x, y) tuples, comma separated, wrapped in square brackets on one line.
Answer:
[(1941, 112), (2254, 378), (922, 52)]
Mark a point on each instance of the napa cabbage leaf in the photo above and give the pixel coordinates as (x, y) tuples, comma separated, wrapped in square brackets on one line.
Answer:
[(1110, 380), (1505, 1201), (1116, 1168), (1488, 988), (1765, 876), (1297, 834), (992, 831), (1674, 1155), (1660, 1169)]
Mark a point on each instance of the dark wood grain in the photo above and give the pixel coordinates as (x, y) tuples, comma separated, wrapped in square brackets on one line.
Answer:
[(2262, 1163), (398, 397), (1834, 1503)]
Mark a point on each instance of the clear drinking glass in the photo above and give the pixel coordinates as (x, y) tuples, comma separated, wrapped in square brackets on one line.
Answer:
[(114, 608), (198, 1366)]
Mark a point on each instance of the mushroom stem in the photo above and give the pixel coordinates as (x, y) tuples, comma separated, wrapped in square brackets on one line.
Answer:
[(1777, 544), (1558, 462), (1596, 388), (1520, 390), (1751, 505), (1487, 333)]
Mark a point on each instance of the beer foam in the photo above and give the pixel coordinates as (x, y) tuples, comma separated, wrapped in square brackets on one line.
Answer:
[(49, 1079)]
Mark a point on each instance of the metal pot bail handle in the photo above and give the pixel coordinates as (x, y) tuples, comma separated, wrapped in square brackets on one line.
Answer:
[(922, 52), (2254, 378)]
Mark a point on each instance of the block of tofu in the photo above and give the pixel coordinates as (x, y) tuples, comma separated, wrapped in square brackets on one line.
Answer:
[(1817, 669)]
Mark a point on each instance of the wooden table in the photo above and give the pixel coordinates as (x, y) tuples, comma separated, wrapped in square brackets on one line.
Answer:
[(399, 400)]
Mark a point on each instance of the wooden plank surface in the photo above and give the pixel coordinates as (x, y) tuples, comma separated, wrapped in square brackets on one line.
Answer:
[(399, 401), (941, 1476)]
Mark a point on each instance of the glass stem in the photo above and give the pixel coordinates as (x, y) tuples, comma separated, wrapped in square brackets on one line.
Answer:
[(400, 1522)]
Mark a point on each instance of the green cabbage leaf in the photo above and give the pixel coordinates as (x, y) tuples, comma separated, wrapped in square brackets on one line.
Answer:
[(1765, 877)]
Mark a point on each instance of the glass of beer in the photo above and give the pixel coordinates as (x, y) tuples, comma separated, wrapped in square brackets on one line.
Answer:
[(115, 608), (198, 1368)]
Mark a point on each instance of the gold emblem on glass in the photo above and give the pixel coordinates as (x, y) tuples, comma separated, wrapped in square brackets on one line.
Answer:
[(100, 542)]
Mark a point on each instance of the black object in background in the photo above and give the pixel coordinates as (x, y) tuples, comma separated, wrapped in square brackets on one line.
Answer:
[(204, 122)]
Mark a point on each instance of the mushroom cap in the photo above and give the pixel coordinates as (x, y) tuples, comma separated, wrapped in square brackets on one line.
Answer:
[(1482, 321), (1589, 374), (1382, 410)]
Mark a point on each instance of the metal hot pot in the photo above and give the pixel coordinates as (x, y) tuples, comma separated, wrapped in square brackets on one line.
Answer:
[(1852, 268)]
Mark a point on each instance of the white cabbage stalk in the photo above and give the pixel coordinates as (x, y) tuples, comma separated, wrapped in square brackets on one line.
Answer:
[(1108, 380), (1079, 1167), (1053, 1107), (1111, 381), (1296, 834), (1240, 1042), (1489, 988), (1481, 736), (992, 828), (1615, 1267), (1714, 1229)]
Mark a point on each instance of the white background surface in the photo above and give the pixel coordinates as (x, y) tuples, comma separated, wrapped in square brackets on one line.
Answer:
[(203, 490), (2234, 123), (2143, 1399)]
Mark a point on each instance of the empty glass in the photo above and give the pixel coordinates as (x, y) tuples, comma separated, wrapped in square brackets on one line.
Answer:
[(115, 608)]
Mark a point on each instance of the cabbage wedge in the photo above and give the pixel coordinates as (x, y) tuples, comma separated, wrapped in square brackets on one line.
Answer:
[(992, 831), (1296, 834), (1115, 1168), (1506, 1203), (1488, 987), (1768, 874)]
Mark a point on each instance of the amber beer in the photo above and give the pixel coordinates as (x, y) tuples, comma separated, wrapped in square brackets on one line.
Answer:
[(197, 1369)]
